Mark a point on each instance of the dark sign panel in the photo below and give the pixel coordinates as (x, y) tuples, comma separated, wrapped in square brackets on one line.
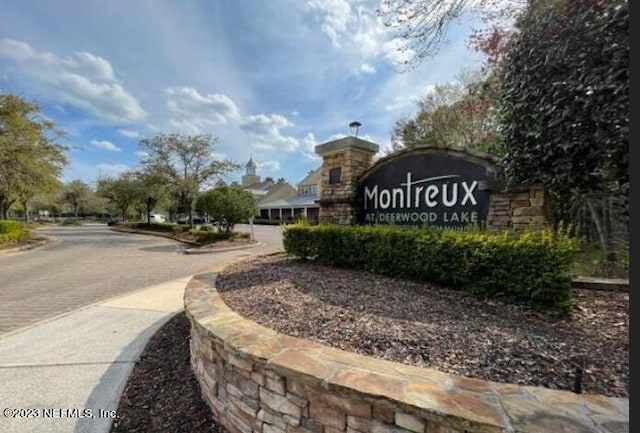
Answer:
[(444, 191)]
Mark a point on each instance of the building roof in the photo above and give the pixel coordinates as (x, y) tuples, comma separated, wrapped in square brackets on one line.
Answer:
[(296, 201), (258, 186), (312, 178), (251, 164)]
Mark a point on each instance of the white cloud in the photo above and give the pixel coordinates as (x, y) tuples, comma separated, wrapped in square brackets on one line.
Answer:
[(218, 156), (112, 169), (335, 16), (93, 67), (367, 68), (83, 80), (105, 145), (130, 133), (355, 29), (309, 144), (269, 166), (266, 131), (192, 111), (335, 137), (142, 155), (397, 52), (407, 101)]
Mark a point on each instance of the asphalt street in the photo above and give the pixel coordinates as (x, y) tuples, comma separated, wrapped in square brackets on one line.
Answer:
[(78, 315), (91, 263)]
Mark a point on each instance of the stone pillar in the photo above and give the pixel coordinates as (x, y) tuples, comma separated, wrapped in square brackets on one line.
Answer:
[(519, 208), (343, 161)]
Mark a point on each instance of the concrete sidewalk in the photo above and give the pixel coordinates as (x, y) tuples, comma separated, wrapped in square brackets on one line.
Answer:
[(67, 374)]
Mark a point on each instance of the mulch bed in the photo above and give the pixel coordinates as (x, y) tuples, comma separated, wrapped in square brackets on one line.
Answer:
[(162, 394), (429, 326), (409, 322)]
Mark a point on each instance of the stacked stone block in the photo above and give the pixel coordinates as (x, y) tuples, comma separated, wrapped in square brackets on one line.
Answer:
[(338, 200), (258, 381), (519, 209)]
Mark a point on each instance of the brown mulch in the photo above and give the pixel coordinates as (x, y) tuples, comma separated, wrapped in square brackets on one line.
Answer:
[(227, 244), (162, 394), (414, 323), (429, 326)]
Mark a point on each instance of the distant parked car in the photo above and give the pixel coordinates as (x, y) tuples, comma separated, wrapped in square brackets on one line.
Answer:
[(196, 220), (112, 222), (157, 218)]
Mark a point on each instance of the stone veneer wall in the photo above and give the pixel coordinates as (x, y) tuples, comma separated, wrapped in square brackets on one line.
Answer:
[(257, 380), (517, 208), (337, 201), (520, 208)]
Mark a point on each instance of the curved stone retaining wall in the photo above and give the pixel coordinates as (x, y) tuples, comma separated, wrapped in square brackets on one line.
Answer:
[(257, 380)]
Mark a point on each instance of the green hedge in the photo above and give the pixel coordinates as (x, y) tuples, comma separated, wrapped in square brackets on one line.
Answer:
[(160, 227), (13, 231), (209, 237), (531, 268), (9, 226), (266, 222)]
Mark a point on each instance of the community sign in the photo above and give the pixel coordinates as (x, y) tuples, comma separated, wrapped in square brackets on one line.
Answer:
[(422, 188)]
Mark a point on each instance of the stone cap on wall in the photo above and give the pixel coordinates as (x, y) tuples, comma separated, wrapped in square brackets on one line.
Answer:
[(484, 159), (345, 143), (466, 404)]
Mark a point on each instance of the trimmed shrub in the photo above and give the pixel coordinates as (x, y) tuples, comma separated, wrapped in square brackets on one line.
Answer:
[(13, 231), (9, 226), (205, 237), (157, 227), (265, 221), (530, 268)]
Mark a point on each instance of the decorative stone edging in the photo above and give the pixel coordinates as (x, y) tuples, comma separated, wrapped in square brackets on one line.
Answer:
[(195, 248), (208, 250), (257, 380), (153, 233), (30, 246), (613, 284)]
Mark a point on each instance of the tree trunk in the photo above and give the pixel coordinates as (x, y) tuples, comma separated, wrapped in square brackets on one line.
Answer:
[(3, 215), (601, 227), (25, 205), (5, 205), (606, 219), (191, 214)]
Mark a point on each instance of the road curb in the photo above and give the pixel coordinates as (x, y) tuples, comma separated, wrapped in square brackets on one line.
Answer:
[(48, 241), (196, 249), (204, 250), (150, 233)]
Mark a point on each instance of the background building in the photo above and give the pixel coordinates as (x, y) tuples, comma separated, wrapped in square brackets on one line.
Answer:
[(267, 189), (304, 203)]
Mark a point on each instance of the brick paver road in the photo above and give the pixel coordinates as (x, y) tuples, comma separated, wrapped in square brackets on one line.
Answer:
[(93, 263)]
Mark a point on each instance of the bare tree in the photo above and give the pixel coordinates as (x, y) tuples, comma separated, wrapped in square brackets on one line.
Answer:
[(423, 24)]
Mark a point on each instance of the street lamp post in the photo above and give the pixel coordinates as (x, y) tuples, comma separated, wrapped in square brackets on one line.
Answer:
[(354, 126)]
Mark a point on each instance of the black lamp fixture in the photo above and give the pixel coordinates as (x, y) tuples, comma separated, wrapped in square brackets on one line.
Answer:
[(354, 126)]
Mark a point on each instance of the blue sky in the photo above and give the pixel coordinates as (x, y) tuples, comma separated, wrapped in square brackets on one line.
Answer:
[(270, 79)]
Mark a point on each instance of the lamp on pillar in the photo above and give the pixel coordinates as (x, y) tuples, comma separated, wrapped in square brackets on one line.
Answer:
[(354, 126)]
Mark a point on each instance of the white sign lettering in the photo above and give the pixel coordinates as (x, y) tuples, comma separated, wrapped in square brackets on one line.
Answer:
[(413, 194)]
